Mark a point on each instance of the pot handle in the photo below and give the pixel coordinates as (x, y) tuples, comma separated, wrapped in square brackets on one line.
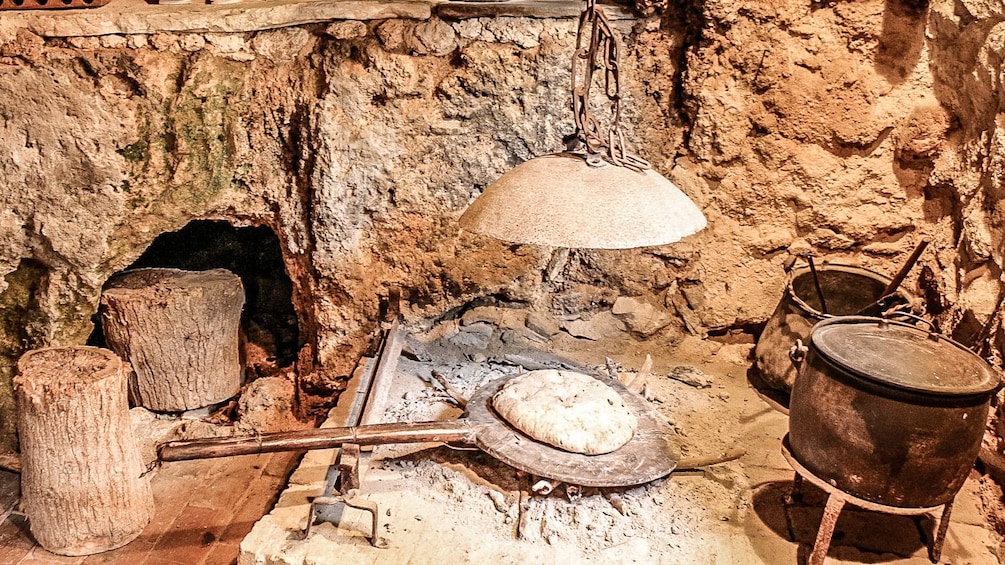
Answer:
[(933, 334), (894, 313), (797, 353)]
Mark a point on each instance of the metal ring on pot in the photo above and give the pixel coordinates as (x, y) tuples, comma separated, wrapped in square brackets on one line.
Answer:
[(826, 269)]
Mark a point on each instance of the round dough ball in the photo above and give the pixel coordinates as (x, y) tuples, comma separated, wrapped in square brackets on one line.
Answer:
[(567, 410)]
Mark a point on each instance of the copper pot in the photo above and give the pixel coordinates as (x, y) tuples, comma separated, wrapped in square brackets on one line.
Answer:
[(889, 412), (848, 289)]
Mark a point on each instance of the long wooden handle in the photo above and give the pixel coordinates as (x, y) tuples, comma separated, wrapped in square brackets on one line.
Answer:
[(899, 278), (321, 438), (874, 308)]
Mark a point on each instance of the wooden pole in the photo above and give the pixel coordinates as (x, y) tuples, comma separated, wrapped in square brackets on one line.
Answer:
[(320, 438), (179, 330), (898, 279), (874, 309), (81, 487)]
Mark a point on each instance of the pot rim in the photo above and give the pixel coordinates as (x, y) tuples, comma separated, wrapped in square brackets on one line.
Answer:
[(826, 266)]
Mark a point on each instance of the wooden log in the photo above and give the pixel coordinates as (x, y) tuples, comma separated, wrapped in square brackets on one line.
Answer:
[(81, 484), (179, 331)]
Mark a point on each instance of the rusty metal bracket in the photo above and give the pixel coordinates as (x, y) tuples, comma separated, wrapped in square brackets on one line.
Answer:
[(343, 480), (341, 491), (348, 467)]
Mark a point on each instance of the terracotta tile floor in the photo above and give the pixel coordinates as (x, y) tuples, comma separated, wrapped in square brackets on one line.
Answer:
[(203, 509)]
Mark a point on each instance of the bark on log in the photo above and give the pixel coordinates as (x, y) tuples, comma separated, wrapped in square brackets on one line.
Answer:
[(81, 487), (179, 330)]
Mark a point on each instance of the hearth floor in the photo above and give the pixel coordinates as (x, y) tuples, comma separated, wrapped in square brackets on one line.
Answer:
[(441, 505), (203, 509)]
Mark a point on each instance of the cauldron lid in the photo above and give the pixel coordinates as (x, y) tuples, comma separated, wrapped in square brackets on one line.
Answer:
[(903, 356)]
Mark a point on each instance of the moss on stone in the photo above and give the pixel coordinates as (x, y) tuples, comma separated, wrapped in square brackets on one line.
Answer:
[(22, 327), (135, 152), (201, 123)]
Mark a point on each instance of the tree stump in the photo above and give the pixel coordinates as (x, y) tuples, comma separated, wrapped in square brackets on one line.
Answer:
[(80, 482), (179, 331)]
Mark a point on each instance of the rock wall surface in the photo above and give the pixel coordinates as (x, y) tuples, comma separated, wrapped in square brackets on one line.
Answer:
[(850, 129)]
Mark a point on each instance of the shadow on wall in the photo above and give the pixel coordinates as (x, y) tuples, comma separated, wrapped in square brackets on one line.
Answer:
[(901, 39), (23, 327), (269, 321)]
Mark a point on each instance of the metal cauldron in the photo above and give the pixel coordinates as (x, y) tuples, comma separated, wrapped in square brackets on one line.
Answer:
[(889, 412), (847, 290)]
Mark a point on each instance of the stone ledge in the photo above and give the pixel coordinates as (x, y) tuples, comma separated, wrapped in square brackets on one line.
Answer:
[(522, 9), (127, 17)]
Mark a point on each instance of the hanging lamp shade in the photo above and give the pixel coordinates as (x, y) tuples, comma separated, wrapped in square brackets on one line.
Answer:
[(560, 200), (595, 194)]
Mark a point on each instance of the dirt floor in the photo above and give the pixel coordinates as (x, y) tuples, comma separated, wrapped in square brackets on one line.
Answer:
[(441, 504)]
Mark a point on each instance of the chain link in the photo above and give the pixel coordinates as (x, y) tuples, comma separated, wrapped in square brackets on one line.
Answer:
[(600, 53)]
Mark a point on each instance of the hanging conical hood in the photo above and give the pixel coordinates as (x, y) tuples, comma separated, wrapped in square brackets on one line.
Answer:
[(562, 201)]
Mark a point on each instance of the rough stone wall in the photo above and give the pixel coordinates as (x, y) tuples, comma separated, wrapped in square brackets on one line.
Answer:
[(801, 124), (359, 143), (851, 129), (109, 142), (967, 50)]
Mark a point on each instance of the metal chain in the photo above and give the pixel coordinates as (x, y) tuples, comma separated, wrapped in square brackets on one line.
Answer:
[(601, 53)]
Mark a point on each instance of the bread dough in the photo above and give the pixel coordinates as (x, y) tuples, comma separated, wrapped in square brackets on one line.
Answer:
[(567, 410)]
